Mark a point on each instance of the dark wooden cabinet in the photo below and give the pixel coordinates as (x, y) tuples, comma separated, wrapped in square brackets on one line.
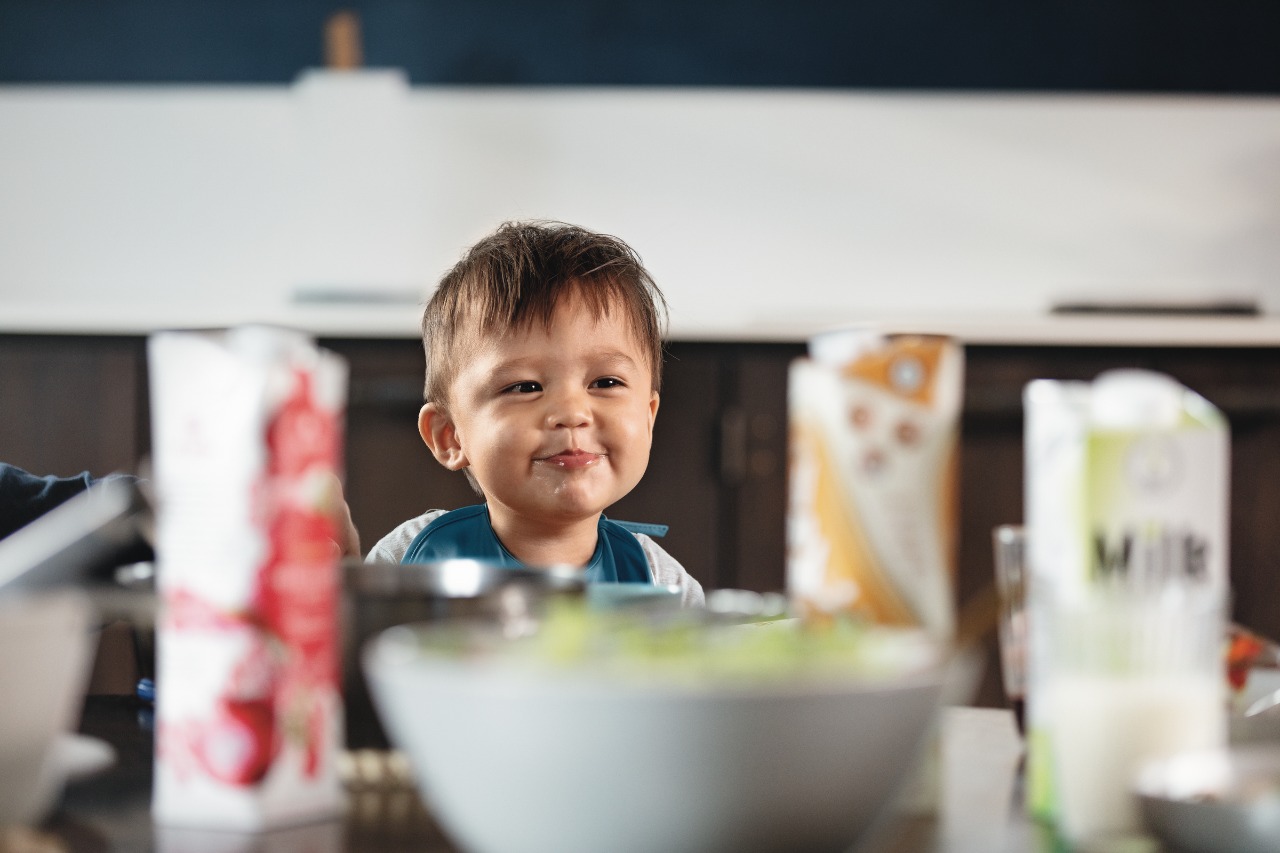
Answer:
[(717, 474), (72, 403)]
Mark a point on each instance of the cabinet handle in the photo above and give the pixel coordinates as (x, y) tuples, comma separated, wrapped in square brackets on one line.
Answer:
[(733, 446)]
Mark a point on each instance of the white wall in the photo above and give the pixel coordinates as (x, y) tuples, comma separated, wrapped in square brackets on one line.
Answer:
[(131, 208)]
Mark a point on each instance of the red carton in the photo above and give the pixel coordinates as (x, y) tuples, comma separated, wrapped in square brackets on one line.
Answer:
[(247, 436)]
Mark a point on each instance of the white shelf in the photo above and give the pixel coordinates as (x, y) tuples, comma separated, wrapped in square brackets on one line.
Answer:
[(763, 214), (401, 321)]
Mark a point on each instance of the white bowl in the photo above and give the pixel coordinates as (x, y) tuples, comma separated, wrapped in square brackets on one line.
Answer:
[(1217, 801), (45, 648), (517, 758)]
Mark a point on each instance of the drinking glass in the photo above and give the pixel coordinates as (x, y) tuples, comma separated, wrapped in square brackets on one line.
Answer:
[(1010, 546), (1132, 675)]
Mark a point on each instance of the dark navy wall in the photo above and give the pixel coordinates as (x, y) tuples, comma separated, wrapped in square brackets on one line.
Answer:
[(1089, 45)]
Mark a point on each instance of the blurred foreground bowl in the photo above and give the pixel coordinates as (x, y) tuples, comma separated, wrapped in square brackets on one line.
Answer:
[(1218, 801), (513, 756), (45, 652)]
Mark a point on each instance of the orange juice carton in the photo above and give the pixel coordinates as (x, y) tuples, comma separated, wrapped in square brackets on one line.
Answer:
[(871, 519), (1127, 503), (247, 429)]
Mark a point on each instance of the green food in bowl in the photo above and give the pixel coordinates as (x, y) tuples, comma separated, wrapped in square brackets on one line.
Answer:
[(683, 647)]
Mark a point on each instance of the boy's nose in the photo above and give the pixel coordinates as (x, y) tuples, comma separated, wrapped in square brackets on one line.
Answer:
[(568, 409)]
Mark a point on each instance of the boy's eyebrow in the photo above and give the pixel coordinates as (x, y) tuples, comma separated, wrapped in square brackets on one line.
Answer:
[(614, 356)]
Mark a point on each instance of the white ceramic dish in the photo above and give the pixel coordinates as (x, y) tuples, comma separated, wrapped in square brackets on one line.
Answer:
[(1263, 727), (1222, 801), (77, 756), (1262, 681), (511, 759), (45, 647)]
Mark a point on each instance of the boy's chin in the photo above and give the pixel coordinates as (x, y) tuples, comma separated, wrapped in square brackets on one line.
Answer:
[(577, 511), (551, 506), (562, 502), (566, 508)]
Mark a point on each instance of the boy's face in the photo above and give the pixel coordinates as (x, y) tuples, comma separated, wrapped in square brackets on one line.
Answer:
[(555, 423)]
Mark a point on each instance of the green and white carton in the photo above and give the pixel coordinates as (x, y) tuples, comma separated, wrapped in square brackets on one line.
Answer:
[(1126, 483)]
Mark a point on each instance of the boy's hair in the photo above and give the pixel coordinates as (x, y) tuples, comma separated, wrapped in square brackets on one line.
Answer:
[(518, 275)]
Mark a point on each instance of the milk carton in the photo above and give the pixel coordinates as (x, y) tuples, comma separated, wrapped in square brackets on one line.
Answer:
[(871, 522), (247, 437), (1126, 493)]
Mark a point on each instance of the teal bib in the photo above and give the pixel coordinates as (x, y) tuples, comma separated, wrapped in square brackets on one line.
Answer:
[(467, 534)]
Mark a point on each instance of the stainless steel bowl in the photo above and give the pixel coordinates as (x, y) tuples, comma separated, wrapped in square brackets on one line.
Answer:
[(1220, 801), (378, 596)]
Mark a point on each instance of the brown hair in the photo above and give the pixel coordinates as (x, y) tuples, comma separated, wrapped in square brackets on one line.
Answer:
[(517, 276)]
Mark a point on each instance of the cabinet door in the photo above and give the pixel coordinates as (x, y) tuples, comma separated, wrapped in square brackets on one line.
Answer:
[(72, 403), (682, 486), (753, 463)]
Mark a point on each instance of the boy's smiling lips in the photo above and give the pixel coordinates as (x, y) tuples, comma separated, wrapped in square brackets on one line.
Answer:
[(571, 458)]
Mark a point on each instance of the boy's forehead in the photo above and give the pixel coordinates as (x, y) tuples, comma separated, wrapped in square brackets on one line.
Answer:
[(531, 349), (480, 333), (586, 335)]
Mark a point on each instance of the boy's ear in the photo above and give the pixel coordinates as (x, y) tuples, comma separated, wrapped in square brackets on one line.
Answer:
[(441, 436), (653, 410)]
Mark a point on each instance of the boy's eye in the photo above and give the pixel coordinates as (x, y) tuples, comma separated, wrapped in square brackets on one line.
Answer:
[(607, 382), (523, 388)]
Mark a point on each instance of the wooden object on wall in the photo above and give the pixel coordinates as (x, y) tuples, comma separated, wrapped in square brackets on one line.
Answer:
[(343, 49)]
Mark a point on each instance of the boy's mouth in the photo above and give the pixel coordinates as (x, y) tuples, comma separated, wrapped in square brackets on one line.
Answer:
[(571, 459)]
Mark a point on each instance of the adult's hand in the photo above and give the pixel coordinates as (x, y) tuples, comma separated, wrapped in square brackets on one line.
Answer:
[(348, 538)]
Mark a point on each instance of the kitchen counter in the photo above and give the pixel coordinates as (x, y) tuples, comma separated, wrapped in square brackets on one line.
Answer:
[(390, 319)]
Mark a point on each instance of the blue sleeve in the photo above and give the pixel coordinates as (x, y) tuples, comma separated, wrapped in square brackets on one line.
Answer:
[(25, 497)]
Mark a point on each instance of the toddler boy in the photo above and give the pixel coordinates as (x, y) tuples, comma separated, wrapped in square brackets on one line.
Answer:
[(544, 360)]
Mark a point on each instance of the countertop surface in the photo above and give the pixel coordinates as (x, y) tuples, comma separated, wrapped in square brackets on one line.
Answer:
[(399, 319)]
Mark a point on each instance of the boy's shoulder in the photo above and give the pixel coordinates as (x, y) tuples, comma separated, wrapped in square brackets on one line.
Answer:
[(391, 548), (667, 571), (442, 518)]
